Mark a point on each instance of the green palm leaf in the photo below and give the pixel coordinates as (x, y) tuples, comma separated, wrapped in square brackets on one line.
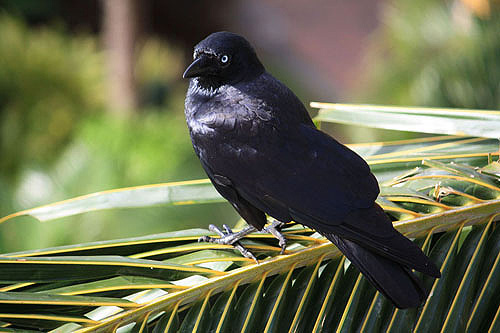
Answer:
[(176, 193), (481, 123), (170, 282)]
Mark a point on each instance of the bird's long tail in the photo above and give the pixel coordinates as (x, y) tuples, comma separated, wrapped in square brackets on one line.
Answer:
[(392, 279)]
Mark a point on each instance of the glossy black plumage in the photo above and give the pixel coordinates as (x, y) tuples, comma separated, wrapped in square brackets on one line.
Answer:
[(262, 152)]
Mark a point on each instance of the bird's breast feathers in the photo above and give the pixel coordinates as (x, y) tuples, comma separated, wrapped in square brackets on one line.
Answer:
[(229, 116)]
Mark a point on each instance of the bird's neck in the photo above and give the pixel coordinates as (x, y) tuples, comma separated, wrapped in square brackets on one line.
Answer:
[(204, 86)]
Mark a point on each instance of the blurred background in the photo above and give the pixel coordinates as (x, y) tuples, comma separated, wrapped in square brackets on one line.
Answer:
[(91, 92)]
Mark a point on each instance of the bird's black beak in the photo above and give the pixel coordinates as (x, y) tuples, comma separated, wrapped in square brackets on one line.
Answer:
[(201, 66)]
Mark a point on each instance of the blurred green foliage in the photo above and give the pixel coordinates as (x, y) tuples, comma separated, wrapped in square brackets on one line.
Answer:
[(48, 81), (436, 53), (58, 141), (431, 53)]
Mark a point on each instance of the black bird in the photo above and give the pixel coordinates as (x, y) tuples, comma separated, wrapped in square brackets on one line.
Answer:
[(262, 152)]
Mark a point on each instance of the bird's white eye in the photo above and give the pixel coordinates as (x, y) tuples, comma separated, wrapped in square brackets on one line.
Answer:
[(224, 59)]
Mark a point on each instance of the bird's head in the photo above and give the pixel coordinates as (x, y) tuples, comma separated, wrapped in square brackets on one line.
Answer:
[(223, 58)]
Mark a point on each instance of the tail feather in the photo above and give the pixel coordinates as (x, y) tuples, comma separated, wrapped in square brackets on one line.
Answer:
[(373, 229), (392, 279), (378, 234)]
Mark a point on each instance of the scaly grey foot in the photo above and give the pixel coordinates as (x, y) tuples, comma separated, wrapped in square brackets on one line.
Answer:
[(275, 229), (228, 237)]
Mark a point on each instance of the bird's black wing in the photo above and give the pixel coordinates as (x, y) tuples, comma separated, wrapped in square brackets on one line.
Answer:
[(309, 177), (251, 214), (305, 171)]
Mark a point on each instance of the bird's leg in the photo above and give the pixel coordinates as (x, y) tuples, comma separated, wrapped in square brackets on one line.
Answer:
[(275, 229), (228, 237)]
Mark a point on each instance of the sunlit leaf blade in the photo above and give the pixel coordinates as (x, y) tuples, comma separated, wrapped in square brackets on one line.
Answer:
[(197, 318), (495, 324), (389, 159), (23, 298), (359, 297), (67, 328), (169, 322), (248, 308), (402, 320), (481, 123), (487, 298), (378, 315), (445, 250), (194, 191), (328, 284), (436, 147), (42, 320), (34, 331), (275, 301), (52, 269), (222, 311), (336, 314), (121, 284), (447, 219), (301, 296), (456, 320), (127, 246)]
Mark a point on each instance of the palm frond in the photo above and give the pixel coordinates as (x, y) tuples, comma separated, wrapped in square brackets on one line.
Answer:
[(172, 283), (175, 193)]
